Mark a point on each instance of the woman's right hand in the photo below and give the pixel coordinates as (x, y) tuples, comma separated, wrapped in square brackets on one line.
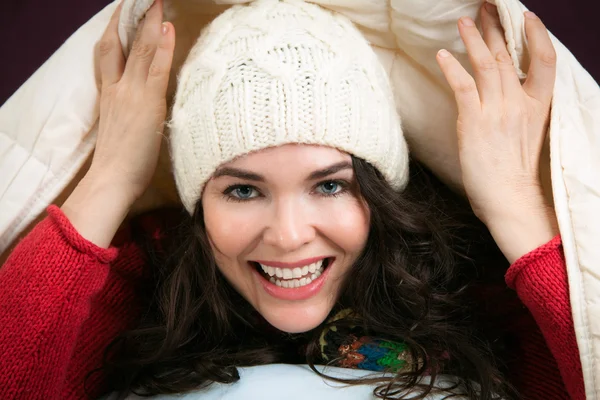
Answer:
[(132, 113)]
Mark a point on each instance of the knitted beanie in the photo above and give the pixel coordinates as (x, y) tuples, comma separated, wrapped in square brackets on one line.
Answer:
[(277, 72)]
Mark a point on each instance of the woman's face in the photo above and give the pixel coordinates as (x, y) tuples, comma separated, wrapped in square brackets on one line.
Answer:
[(285, 225)]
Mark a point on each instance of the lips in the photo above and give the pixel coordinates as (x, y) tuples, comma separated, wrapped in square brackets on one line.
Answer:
[(300, 282), (293, 277)]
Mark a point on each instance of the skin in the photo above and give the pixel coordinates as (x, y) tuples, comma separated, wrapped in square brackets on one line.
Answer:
[(501, 127), (287, 217)]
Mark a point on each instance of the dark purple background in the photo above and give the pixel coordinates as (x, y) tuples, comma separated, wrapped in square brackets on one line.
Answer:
[(31, 30)]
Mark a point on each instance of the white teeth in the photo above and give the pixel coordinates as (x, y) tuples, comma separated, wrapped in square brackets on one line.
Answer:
[(293, 283), (294, 277)]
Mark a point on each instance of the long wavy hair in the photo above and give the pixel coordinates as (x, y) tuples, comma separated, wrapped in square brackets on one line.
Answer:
[(410, 285)]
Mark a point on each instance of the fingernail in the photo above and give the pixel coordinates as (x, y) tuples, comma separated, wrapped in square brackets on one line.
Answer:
[(466, 21), (165, 28), (443, 53), (492, 9), (530, 15)]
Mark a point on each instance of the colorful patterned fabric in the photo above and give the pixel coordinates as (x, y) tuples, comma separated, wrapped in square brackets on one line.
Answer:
[(349, 347)]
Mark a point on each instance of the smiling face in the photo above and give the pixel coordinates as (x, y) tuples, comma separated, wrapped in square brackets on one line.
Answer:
[(285, 225)]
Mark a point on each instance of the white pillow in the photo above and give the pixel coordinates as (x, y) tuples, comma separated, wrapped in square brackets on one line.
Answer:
[(289, 382), (48, 127)]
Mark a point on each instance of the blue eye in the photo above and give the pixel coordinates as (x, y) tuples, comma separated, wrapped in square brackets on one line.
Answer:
[(241, 192), (329, 188)]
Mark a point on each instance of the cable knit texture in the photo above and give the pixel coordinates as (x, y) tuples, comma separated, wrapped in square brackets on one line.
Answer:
[(64, 299), (278, 72)]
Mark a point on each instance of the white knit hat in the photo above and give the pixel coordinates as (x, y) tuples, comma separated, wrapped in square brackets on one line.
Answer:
[(278, 72)]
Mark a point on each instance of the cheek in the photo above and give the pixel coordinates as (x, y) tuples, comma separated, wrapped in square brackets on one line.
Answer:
[(348, 224), (231, 231)]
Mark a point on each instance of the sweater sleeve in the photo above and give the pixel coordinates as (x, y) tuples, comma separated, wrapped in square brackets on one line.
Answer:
[(61, 303), (540, 279)]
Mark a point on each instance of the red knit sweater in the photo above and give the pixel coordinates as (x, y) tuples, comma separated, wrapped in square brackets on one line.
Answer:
[(63, 299)]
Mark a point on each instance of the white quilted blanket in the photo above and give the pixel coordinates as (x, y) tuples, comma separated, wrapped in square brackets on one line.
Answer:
[(48, 127)]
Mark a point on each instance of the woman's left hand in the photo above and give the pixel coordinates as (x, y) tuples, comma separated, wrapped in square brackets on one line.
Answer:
[(501, 128)]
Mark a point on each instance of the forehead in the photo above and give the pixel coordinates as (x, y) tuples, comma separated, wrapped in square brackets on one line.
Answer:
[(290, 158)]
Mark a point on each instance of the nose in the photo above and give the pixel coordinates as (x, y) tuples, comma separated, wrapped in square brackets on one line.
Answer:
[(290, 226)]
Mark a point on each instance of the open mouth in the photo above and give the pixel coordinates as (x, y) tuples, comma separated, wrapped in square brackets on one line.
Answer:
[(293, 277)]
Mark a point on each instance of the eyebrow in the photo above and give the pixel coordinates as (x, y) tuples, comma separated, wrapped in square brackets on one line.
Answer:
[(251, 176), (332, 169), (238, 173)]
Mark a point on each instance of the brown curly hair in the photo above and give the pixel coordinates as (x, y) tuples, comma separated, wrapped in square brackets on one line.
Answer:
[(408, 285)]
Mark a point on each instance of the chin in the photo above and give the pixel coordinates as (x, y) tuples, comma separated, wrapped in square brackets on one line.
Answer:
[(296, 318)]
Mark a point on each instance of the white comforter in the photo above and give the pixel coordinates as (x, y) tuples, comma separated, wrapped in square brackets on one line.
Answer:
[(48, 127)]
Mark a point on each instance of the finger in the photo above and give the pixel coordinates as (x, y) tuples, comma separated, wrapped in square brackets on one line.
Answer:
[(542, 69), (484, 65), (109, 54), (493, 35), (144, 45), (462, 84), (158, 73)]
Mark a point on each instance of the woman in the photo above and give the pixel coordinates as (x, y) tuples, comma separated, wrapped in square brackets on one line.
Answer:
[(304, 241)]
